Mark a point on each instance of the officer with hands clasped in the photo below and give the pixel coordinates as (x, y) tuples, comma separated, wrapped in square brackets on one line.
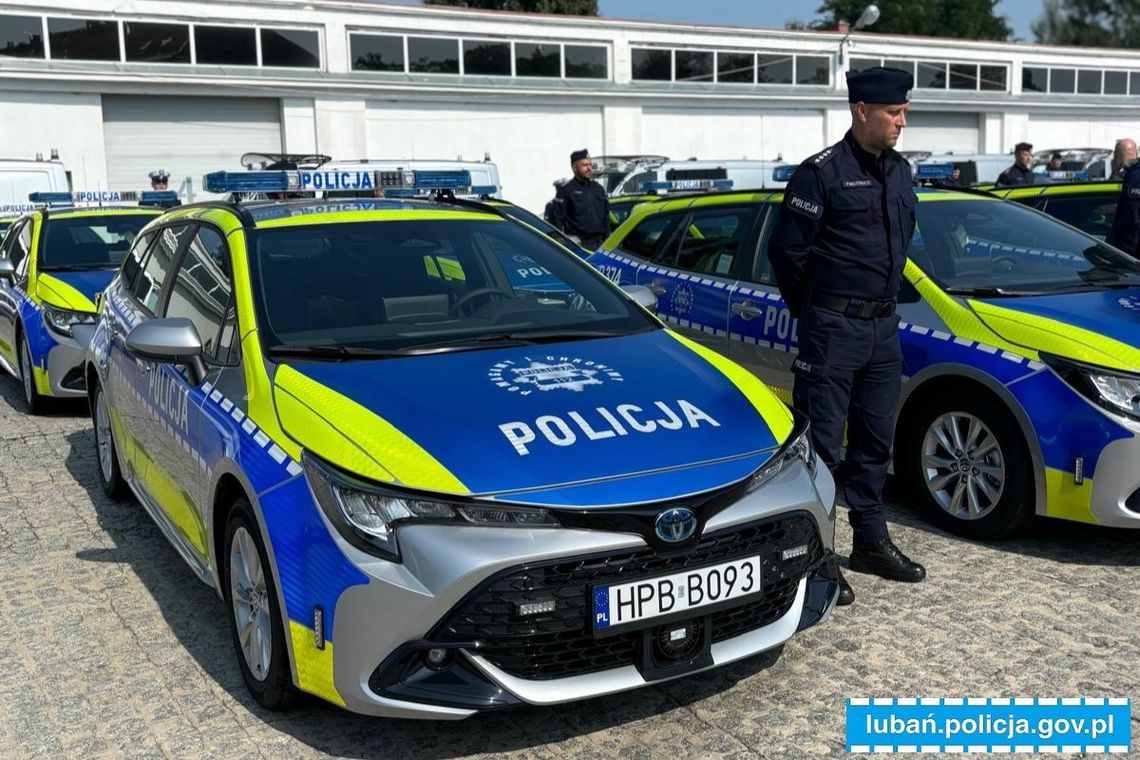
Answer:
[(581, 207), (838, 253)]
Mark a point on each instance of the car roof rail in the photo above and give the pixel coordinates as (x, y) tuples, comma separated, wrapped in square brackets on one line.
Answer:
[(236, 207)]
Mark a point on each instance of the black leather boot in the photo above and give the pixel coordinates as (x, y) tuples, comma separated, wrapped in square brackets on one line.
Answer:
[(846, 593), (883, 558)]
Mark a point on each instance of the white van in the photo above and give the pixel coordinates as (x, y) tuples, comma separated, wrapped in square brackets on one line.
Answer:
[(694, 174), (21, 177), (614, 173), (1094, 163)]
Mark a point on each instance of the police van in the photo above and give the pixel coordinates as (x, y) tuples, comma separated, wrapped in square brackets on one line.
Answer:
[(620, 175), (21, 177), (425, 492), (975, 168), (684, 176), (1091, 163)]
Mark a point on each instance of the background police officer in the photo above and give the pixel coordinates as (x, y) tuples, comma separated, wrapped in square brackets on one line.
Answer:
[(581, 207), (1125, 233), (1123, 156), (1019, 173), (838, 253), (159, 180)]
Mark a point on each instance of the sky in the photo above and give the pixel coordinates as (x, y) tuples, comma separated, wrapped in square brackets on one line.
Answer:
[(771, 13)]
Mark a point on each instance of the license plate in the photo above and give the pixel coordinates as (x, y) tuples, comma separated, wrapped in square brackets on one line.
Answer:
[(674, 595)]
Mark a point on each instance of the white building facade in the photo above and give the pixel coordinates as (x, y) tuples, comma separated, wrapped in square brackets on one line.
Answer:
[(122, 87)]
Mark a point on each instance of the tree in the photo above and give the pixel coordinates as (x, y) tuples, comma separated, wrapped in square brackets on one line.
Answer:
[(567, 7), (1090, 23), (965, 19)]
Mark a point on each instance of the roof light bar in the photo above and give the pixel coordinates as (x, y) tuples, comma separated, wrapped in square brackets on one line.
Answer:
[(394, 184), (935, 171), (687, 184), (784, 173)]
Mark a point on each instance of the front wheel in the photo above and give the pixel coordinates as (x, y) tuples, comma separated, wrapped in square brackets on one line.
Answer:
[(255, 616), (110, 475), (968, 464), (37, 404)]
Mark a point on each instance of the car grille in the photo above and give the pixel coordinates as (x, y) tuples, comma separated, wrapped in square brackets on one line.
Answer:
[(561, 643)]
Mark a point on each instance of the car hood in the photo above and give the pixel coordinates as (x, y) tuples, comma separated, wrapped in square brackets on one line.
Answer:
[(1098, 327), (73, 290), (608, 421)]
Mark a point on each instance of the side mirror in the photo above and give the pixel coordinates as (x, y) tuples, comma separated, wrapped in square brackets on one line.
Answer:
[(169, 341), (7, 270), (642, 296)]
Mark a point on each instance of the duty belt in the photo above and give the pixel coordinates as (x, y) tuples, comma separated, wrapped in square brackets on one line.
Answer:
[(854, 307)]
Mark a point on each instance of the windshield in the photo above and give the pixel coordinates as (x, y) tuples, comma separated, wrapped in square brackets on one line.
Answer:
[(89, 242), (428, 284), (987, 245), (620, 210), (540, 224), (4, 224), (609, 180)]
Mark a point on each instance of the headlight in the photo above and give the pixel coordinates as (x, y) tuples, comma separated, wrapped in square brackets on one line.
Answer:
[(367, 515), (796, 449), (1114, 390), (62, 320)]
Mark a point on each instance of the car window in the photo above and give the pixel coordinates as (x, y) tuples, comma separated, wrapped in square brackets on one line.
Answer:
[(649, 238), (201, 290), (1091, 213), (11, 249), (148, 286), (974, 244), (88, 242), (21, 248), (402, 284), (132, 264), (761, 267), (714, 238)]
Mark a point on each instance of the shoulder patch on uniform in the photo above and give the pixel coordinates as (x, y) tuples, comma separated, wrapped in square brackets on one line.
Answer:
[(810, 209)]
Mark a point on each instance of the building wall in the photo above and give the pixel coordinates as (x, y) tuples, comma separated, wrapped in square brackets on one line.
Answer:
[(72, 123)]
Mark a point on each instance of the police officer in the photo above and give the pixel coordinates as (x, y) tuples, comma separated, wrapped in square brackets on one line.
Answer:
[(838, 253), (1123, 156), (581, 207), (1019, 173), (159, 180), (1125, 233)]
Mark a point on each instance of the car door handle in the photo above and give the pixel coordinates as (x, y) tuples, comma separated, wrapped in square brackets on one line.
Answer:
[(656, 288), (747, 310)]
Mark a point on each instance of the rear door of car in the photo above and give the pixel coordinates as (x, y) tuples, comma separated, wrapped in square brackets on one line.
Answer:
[(1090, 212), (696, 271)]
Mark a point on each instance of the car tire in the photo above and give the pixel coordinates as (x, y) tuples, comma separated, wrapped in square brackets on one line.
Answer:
[(967, 463), (256, 621), (106, 452), (36, 403)]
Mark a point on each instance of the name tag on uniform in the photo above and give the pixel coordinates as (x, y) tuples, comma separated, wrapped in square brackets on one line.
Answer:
[(804, 206), (856, 183)]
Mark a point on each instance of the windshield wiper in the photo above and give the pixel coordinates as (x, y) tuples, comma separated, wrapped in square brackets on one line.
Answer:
[(508, 339), (991, 292), (336, 353)]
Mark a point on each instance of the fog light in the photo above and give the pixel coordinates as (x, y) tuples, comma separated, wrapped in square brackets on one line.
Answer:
[(536, 608), (795, 551), (437, 659)]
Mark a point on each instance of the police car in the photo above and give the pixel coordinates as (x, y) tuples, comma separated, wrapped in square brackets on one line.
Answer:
[(1020, 337), (53, 262), (1088, 206), (425, 492)]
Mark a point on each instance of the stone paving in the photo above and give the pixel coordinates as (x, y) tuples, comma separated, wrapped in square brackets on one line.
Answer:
[(112, 648)]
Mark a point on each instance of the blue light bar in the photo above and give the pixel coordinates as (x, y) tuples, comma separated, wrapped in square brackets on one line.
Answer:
[(1077, 175), (656, 186), (158, 196), (783, 173), (45, 197), (250, 182), (722, 184), (449, 180), (935, 171), (484, 189)]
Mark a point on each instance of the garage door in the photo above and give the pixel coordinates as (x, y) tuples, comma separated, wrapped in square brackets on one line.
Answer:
[(1047, 132), (940, 132), (710, 133), (530, 144), (187, 136)]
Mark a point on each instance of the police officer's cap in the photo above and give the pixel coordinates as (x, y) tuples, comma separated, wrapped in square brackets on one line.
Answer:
[(879, 85), (1022, 146), (1057, 156), (159, 175), (578, 155)]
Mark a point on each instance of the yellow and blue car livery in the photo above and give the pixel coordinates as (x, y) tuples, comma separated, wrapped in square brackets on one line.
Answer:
[(1088, 206), (443, 483), (1020, 338), (57, 259)]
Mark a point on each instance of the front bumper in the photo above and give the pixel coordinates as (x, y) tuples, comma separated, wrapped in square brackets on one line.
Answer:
[(63, 363), (457, 586), (1115, 499)]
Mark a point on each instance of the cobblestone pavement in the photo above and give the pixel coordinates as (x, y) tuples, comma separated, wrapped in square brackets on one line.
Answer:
[(112, 648)]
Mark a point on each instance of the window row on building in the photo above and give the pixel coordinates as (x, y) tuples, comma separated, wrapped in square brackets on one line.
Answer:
[(1079, 81), (422, 54), (728, 66), (945, 75), (84, 39)]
